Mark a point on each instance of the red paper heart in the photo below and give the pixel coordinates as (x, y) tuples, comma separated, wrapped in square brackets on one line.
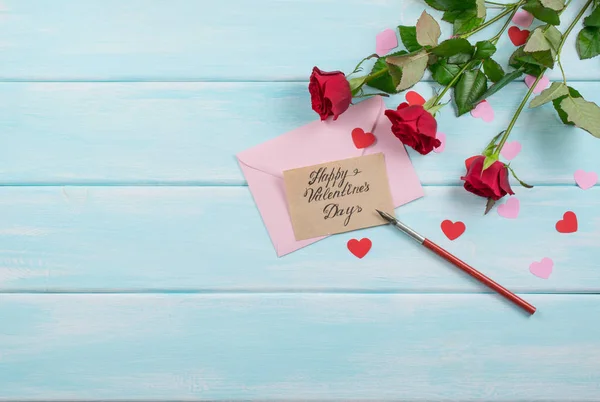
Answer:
[(518, 37), (568, 224), (453, 230), (359, 248), (362, 139), (414, 98)]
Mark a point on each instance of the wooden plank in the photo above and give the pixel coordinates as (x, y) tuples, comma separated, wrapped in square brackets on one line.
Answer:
[(205, 239), (300, 347), (200, 40), (187, 133)]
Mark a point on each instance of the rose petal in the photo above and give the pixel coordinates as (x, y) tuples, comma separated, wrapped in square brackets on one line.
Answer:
[(411, 112), (427, 125)]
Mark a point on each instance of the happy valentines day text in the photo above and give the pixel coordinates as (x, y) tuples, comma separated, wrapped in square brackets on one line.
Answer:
[(330, 184), (337, 196)]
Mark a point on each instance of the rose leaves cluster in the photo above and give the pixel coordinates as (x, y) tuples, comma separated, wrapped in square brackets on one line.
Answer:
[(471, 72)]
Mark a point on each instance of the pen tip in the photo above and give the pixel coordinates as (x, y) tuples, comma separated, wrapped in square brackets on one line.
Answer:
[(386, 216)]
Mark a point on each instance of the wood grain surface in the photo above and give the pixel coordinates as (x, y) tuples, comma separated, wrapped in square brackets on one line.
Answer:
[(134, 264)]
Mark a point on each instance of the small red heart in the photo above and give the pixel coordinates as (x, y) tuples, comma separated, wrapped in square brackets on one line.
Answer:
[(362, 139), (403, 105), (453, 230), (568, 224), (414, 98), (359, 248), (518, 37)]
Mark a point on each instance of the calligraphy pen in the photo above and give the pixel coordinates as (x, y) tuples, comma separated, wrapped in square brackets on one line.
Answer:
[(458, 263)]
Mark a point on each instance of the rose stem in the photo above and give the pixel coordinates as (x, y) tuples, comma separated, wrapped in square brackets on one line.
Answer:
[(510, 8), (514, 8), (528, 94), (495, 39)]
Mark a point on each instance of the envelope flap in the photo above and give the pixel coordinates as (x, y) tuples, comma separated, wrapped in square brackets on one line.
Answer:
[(315, 143)]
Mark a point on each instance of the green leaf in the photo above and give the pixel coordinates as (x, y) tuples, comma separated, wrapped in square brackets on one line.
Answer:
[(408, 35), (430, 102), (593, 20), (434, 109), (460, 58), (501, 83), (573, 93), (467, 22), (554, 37), (515, 62), (469, 88), (555, 5), (443, 72), (428, 30), (385, 82), (396, 74), (588, 43), (481, 10), (583, 114), (413, 67), (493, 70), (556, 90), (445, 5), (451, 16), (537, 41), (489, 161), (489, 205), (543, 58), (356, 84), (484, 49), (453, 47), (542, 13)]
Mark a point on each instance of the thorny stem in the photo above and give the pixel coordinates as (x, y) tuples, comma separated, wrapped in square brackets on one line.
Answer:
[(376, 75), (528, 94), (562, 70), (513, 9), (575, 21), (498, 4), (452, 83), (517, 113), (495, 39), (510, 8)]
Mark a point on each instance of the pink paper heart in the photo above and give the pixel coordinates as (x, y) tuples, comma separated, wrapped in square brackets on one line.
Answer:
[(442, 138), (584, 179), (386, 41), (543, 84), (510, 209), (542, 269), (484, 111), (523, 18), (510, 150)]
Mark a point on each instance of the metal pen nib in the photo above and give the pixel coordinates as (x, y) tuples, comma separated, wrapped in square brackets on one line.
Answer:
[(387, 216), (417, 237)]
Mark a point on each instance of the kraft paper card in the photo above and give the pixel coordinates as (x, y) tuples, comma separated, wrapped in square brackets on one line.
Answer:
[(338, 196)]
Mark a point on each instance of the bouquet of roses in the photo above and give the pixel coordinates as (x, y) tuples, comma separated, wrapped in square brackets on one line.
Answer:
[(471, 73)]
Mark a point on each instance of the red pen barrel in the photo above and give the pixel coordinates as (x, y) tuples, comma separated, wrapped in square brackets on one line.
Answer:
[(479, 276)]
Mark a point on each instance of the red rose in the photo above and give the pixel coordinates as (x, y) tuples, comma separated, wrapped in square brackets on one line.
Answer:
[(415, 127), (330, 93), (490, 183)]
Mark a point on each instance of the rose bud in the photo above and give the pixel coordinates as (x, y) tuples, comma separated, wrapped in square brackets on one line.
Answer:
[(415, 127), (330, 93), (490, 183)]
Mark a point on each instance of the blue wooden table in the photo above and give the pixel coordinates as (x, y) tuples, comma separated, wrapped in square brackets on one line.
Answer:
[(134, 264)]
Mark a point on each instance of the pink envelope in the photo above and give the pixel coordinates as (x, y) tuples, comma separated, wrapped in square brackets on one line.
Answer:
[(320, 142)]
